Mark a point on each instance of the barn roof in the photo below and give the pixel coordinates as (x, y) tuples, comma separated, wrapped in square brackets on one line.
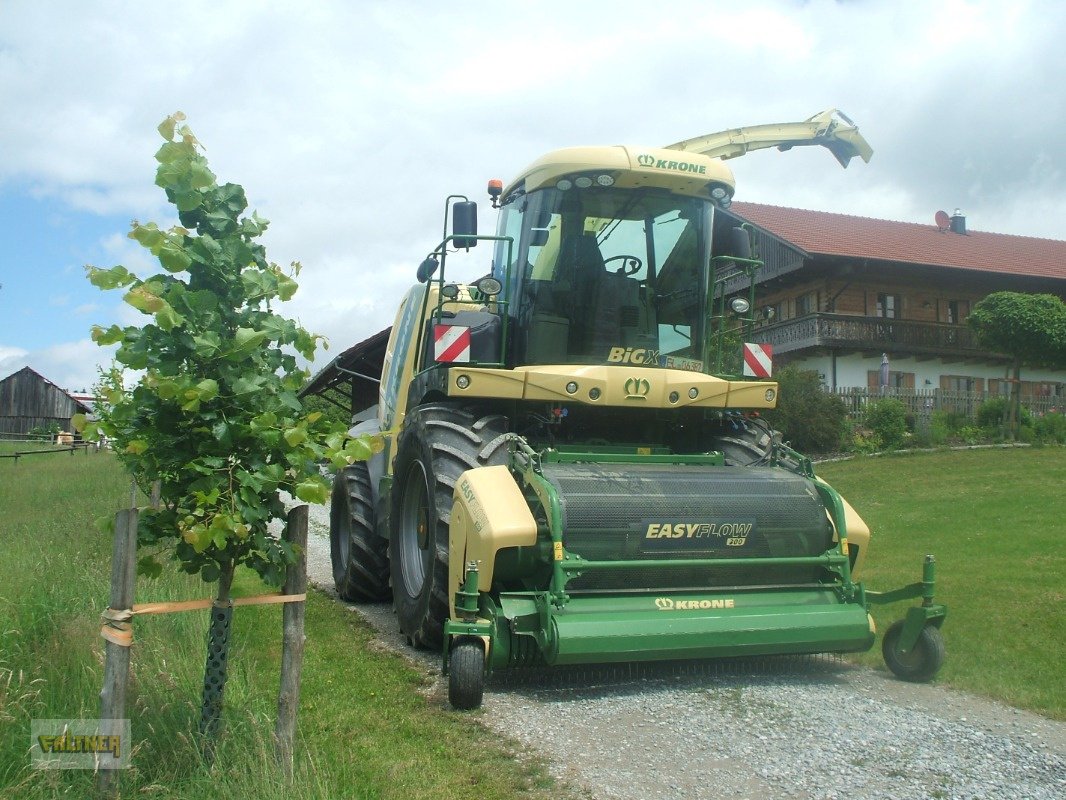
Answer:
[(825, 233), (82, 407)]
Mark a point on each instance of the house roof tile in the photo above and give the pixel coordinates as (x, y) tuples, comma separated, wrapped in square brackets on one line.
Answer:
[(824, 233)]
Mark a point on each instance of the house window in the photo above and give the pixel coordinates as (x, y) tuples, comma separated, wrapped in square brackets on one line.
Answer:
[(953, 312), (896, 380), (889, 306), (806, 304)]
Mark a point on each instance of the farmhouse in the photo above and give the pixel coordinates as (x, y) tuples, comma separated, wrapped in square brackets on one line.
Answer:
[(28, 400), (840, 292)]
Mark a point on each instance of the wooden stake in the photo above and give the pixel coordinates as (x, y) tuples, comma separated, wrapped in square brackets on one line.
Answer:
[(292, 652), (117, 657)]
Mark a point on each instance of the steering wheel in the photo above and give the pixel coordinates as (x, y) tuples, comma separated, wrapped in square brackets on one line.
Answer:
[(631, 265)]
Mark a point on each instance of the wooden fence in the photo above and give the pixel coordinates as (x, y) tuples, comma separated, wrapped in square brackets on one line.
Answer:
[(923, 402)]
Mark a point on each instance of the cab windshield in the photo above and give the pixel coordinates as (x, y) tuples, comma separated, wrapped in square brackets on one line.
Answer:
[(605, 276)]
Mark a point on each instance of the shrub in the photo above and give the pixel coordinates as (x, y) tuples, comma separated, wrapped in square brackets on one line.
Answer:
[(1050, 428), (888, 419), (940, 427), (990, 414), (811, 419)]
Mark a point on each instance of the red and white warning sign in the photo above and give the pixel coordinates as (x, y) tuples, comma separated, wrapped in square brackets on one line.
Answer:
[(758, 360), (451, 344)]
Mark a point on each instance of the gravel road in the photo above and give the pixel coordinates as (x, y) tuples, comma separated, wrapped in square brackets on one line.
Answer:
[(793, 728)]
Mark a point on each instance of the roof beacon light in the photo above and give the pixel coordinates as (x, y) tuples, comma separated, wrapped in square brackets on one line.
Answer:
[(495, 190), (564, 185), (605, 180), (583, 182)]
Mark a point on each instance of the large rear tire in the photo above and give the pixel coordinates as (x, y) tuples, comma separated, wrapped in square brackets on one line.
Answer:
[(360, 557), (438, 443)]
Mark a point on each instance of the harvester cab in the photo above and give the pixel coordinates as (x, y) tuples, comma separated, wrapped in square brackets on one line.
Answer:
[(574, 470)]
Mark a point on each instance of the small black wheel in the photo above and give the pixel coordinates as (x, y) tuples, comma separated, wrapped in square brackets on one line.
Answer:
[(466, 674), (359, 556), (924, 659)]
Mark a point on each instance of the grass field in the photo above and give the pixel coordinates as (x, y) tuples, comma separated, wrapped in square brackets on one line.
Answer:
[(367, 728), (996, 521)]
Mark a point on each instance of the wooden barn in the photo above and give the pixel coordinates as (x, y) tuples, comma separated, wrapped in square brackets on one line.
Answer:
[(28, 400)]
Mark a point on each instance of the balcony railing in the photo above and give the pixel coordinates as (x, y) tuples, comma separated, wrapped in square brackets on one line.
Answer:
[(845, 332)]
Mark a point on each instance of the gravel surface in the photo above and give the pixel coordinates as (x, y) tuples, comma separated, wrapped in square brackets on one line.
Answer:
[(777, 729)]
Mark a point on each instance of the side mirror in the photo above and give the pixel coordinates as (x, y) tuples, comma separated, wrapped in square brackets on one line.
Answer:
[(426, 269), (464, 224), (741, 243)]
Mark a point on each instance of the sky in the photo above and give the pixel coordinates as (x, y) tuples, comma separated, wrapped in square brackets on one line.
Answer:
[(349, 123)]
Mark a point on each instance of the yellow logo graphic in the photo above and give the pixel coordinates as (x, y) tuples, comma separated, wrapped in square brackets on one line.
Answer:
[(735, 532), (637, 388), (633, 355), (669, 604), (70, 743)]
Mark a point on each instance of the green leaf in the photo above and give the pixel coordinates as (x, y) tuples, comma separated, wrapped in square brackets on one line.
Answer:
[(78, 422), (210, 572), (358, 449), (200, 177), (286, 287), (166, 127), (148, 236), (312, 490), (168, 319), (173, 257), (246, 340), (144, 300), (295, 436), (112, 335), (248, 385), (113, 278), (206, 344), (188, 200), (207, 389), (136, 447), (149, 567)]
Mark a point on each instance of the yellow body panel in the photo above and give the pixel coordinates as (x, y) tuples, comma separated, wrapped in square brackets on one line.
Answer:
[(752, 394), (631, 167), (489, 513), (858, 534), (602, 385)]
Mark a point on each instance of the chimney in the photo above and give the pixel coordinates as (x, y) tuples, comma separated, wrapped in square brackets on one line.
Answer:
[(958, 222)]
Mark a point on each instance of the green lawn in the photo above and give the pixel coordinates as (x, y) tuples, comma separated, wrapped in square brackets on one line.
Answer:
[(367, 729), (996, 521)]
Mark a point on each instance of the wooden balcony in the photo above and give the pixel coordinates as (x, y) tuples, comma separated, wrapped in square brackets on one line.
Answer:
[(843, 332)]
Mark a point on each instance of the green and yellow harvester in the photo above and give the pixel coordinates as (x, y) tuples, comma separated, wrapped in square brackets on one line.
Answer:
[(570, 473)]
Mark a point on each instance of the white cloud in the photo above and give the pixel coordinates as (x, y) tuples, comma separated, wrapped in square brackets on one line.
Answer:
[(348, 124)]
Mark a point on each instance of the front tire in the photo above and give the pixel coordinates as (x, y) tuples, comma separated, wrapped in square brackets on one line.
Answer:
[(924, 659), (466, 674), (438, 443), (359, 556)]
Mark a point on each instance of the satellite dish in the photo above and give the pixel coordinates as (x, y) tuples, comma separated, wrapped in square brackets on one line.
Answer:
[(943, 221)]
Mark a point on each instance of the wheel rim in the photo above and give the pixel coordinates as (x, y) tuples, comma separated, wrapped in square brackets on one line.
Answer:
[(414, 526)]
